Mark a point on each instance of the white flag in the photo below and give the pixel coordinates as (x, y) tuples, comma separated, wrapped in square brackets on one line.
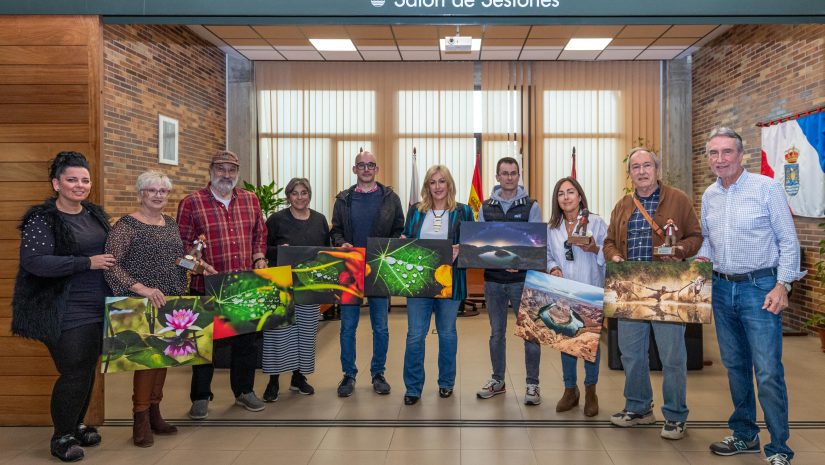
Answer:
[(793, 153), (415, 186)]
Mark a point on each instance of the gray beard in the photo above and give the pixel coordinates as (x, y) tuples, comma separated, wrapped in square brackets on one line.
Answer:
[(223, 186)]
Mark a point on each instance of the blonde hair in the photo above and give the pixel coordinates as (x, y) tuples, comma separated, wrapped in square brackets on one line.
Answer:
[(426, 203)]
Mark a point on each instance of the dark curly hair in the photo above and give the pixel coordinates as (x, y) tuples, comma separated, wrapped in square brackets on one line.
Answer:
[(65, 160)]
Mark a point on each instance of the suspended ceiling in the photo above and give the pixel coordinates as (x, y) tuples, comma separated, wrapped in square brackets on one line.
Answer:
[(499, 42)]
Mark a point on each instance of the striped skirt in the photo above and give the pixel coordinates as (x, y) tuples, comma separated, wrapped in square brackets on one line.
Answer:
[(293, 348)]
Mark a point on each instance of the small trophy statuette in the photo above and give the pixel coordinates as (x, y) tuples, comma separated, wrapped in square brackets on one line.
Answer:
[(669, 246), (580, 235), (193, 261)]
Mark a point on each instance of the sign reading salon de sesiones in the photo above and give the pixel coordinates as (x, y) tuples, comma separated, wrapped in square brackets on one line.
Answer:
[(218, 11)]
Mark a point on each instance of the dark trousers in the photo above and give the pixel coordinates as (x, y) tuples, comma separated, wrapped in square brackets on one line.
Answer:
[(242, 366), (75, 356)]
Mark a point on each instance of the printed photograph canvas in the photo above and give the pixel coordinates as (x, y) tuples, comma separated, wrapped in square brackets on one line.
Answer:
[(659, 291), (138, 336), (249, 301), (409, 268), (325, 275), (503, 245), (563, 314)]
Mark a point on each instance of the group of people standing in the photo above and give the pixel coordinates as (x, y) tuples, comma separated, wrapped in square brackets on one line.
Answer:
[(70, 260)]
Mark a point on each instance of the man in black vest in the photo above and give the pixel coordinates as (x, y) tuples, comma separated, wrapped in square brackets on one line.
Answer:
[(508, 202)]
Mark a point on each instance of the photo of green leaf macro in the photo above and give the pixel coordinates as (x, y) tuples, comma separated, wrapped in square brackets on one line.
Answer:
[(409, 268), (249, 301)]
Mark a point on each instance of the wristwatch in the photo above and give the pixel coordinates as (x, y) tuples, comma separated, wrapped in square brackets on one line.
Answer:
[(788, 286)]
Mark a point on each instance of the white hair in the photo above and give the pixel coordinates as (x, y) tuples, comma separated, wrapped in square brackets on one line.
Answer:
[(148, 178)]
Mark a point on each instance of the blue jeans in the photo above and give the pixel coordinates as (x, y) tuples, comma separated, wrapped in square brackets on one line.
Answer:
[(750, 340), (350, 314), (568, 369), (419, 312), (634, 343), (497, 296)]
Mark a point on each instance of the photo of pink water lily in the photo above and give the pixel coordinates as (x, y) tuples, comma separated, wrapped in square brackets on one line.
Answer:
[(180, 321), (180, 347), (138, 336)]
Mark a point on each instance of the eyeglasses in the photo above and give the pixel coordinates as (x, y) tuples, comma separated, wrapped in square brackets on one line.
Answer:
[(363, 166), (511, 174), (226, 171), (643, 167), (153, 191), (568, 251), (726, 153)]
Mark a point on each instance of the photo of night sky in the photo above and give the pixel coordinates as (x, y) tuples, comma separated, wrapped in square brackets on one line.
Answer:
[(503, 245)]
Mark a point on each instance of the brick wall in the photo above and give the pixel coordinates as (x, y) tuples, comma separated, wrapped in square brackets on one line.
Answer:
[(754, 73), (167, 70)]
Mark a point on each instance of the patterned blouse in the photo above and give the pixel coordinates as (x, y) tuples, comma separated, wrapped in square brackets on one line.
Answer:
[(146, 253)]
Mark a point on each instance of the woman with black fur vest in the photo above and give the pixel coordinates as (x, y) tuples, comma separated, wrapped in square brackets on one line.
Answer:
[(59, 295)]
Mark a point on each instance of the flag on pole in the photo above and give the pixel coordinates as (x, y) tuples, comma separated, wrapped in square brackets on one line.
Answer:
[(573, 171), (415, 186), (793, 153), (476, 192)]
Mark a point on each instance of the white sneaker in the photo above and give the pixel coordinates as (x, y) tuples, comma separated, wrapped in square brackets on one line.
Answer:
[(673, 430), (533, 395), (778, 459), (491, 388), (626, 418)]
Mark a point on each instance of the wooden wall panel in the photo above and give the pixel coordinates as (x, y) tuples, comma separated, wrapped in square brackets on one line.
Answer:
[(10, 210), (25, 113), (44, 30), (28, 366), (33, 132), (44, 74), (42, 151), (51, 94), (43, 55), (23, 171), (50, 83)]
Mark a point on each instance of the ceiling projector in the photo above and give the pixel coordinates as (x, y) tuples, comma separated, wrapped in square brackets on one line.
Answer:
[(458, 44)]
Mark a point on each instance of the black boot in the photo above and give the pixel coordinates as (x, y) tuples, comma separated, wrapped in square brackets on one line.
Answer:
[(271, 392), (67, 448), (87, 436)]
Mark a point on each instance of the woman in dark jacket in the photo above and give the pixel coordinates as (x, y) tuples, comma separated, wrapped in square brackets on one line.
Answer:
[(437, 216), (59, 295)]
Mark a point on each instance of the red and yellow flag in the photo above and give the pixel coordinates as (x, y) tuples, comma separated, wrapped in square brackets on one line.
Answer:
[(476, 193)]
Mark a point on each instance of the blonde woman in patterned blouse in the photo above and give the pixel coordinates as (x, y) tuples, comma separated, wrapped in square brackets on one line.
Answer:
[(146, 244)]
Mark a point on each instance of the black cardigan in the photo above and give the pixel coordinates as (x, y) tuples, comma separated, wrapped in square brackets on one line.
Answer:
[(38, 302)]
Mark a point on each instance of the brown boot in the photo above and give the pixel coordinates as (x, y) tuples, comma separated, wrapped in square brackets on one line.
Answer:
[(591, 401), (158, 424), (141, 431), (568, 400)]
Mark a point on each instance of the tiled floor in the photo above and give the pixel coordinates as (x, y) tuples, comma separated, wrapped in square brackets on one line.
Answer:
[(370, 429)]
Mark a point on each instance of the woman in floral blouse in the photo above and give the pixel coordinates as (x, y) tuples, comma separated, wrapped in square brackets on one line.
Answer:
[(146, 244)]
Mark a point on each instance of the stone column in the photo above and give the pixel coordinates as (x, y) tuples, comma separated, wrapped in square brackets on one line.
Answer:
[(677, 149), (241, 111)]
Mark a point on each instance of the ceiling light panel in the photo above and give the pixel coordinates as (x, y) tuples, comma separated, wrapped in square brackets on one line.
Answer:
[(587, 44), (333, 45)]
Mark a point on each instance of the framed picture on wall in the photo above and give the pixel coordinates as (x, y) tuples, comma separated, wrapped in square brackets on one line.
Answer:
[(167, 140)]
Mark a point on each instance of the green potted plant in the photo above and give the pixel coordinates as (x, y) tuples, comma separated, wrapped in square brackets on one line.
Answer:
[(817, 321), (269, 196)]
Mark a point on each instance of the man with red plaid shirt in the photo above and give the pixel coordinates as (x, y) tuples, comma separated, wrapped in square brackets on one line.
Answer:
[(235, 231)]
